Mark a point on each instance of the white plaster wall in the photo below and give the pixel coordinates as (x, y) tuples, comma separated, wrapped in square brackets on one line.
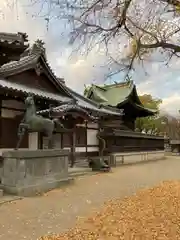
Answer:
[(33, 141), (92, 125), (67, 148), (13, 104), (93, 149), (80, 149), (91, 137), (81, 125), (6, 113)]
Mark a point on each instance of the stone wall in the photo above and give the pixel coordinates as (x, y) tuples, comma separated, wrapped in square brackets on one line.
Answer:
[(117, 159), (28, 172)]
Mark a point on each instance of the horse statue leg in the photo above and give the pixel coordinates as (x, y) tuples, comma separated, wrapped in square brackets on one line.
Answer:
[(54, 124), (21, 131), (50, 142), (49, 135)]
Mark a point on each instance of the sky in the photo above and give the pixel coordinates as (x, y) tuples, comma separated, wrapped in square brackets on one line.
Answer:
[(161, 81)]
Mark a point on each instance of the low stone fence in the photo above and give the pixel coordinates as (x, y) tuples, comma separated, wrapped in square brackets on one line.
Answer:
[(29, 172), (116, 159)]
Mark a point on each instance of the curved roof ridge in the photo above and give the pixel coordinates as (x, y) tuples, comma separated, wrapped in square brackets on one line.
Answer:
[(149, 109), (100, 106), (29, 61), (55, 78), (118, 84), (83, 97), (96, 86), (29, 56), (9, 68)]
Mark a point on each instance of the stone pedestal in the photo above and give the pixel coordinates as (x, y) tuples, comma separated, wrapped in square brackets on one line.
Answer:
[(28, 172)]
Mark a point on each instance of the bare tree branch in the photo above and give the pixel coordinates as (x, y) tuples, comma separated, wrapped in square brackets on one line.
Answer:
[(130, 31), (163, 45)]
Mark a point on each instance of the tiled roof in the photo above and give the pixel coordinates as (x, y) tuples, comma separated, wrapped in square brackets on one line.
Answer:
[(30, 61), (15, 67), (65, 108), (27, 90), (85, 105), (91, 105), (117, 95), (13, 38), (110, 94)]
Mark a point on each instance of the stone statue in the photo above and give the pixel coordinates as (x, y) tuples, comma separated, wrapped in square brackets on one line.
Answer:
[(34, 123), (100, 164)]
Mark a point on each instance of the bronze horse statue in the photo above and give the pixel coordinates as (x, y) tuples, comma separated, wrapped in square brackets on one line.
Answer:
[(34, 123)]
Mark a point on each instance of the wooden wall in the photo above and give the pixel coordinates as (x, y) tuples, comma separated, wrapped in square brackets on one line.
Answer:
[(31, 79), (10, 117), (86, 143), (133, 143)]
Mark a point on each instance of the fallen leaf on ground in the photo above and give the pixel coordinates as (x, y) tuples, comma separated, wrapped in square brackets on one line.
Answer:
[(149, 214)]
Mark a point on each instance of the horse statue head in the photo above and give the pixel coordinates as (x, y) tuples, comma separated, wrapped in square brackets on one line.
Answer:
[(29, 101)]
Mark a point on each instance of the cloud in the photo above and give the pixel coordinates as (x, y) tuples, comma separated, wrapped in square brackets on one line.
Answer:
[(84, 70), (163, 83), (14, 18), (171, 104)]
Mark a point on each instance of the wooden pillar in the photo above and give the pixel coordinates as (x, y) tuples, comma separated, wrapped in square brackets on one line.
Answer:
[(61, 140), (1, 121), (40, 141), (86, 126), (73, 148)]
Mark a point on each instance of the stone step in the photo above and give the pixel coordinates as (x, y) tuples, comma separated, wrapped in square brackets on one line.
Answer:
[(1, 192), (81, 163)]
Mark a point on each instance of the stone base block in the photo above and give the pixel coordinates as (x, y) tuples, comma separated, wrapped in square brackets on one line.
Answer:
[(32, 172), (37, 189), (1, 192)]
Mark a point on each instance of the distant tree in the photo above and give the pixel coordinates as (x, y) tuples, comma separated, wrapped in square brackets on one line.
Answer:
[(171, 126), (151, 124), (150, 102)]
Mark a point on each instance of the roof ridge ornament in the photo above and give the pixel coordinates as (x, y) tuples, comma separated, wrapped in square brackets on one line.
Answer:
[(23, 36), (38, 48)]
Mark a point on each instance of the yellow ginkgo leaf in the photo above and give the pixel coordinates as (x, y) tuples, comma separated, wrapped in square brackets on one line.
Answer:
[(177, 8), (134, 45)]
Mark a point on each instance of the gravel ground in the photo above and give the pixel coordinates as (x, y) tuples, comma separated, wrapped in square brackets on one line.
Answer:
[(58, 210)]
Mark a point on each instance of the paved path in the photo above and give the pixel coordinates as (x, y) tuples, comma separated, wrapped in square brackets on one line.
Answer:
[(58, 210)]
